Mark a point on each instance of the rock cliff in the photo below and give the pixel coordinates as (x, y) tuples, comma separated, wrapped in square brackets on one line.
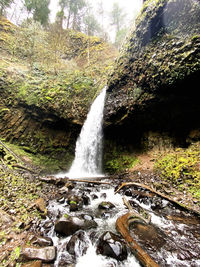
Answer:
[(43, 106), (154, 86)]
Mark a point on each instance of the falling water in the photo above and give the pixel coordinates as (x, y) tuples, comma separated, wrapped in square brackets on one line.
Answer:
[(88, 154)]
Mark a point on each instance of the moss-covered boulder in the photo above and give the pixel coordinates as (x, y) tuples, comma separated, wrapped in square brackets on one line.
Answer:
[(155, 83)]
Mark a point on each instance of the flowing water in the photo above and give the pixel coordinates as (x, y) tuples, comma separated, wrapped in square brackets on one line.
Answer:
[(88, 153), (171, 239)]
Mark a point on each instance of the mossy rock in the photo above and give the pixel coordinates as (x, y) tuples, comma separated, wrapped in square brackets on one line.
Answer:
[(154, 82), (182, 168)]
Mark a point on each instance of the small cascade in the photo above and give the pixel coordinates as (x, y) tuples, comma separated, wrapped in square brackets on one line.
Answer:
[(171, 238), (88, 153)]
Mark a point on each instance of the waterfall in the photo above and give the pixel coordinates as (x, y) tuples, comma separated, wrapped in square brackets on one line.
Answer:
[(88, 153)]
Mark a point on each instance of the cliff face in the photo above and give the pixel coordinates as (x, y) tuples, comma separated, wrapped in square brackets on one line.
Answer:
[(155, 83), (43, 104)]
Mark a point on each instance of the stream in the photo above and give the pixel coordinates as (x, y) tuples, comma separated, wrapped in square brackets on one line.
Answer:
[(81, 221), (171, 238)]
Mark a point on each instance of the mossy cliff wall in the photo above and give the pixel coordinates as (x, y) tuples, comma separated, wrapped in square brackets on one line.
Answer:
[(155, 83), (36, 129), (43, 103)]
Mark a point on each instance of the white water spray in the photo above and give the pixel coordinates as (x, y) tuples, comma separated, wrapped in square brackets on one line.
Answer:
[(88, 154)]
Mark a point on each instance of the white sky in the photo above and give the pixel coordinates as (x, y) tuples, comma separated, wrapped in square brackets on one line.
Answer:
[(131, 8)]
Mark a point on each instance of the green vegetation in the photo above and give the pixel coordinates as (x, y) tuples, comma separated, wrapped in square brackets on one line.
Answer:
[(182, 168), (44, 163), (120, 163), (118, 160)]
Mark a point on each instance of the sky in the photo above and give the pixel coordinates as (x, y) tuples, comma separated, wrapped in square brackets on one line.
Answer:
[(131, 8)]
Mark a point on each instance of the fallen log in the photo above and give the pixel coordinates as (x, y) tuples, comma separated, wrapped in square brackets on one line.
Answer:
[(157, 193), (146, 219), (122, 226), (64, 180)]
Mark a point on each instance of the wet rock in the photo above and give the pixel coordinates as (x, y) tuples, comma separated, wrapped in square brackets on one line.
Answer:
[(68, 225), (40, 240), (103, 195), (41, 205), (33, 264), (61, 200), (93, 236), (128, 192), (48, 224), (78, 244), (75, 202), (112, 246), (94, 196), (105, 210), (54, 180), (106, 205), (66, 259), (86, 199), (158, 204), (46, 254)]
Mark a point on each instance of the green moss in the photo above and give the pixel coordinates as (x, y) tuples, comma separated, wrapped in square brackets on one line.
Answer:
[(73, 202), (181, 168), (118, 159), (46, 163), (121, 163)]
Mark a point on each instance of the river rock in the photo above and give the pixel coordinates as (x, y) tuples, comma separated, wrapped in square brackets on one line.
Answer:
[(41, 205), (75, 202), (65, 259), (106, 205), (86, 199), (78, 244), (40, 240), (105, 209), (33, 264), (68, 225), (112, 246), (54, 180), (46, 254)]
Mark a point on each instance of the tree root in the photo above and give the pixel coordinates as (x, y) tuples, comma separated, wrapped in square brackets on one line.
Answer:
[(122, 226)]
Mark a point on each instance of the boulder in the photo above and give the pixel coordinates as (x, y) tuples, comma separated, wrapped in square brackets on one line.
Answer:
[(68, 225), (41, 205), (105, 209), (33, 264), (46, 254), (106, 205), (112, 246), (40, 240), (78, 244), (75, 202)]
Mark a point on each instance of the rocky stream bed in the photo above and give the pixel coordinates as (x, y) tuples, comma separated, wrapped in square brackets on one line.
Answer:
[(79, 228)]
